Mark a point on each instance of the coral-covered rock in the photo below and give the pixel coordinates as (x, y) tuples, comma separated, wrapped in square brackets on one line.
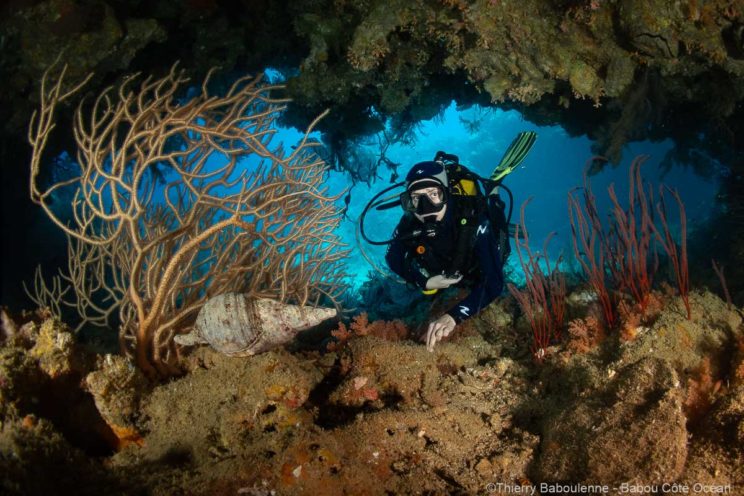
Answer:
[(20, 381), (737, 364), (56, 351), (378, 416), (642, 437), (35, 458), (381, 372), (495, 320), (221, 404), (631, 430), (117, 387), (717, 447), (8, 327), (713, 330), (22, 330), (442, 450)]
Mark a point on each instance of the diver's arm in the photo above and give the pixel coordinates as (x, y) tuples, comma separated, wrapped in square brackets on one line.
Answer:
[(492, 278)]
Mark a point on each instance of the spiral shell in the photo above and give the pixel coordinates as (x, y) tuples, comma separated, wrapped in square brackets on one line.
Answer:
[(239, 326)]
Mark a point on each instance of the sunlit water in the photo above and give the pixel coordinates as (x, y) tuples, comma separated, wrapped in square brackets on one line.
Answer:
[(479, 138), (553, 168)]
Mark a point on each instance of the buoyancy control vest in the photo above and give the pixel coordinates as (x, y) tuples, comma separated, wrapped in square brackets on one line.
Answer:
[(448, 246)]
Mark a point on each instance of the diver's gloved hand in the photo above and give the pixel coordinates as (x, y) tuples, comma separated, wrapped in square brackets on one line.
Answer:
[(442, 281), (440, 328)]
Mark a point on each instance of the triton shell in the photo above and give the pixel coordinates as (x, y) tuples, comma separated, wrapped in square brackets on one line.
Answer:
[(239, 326)]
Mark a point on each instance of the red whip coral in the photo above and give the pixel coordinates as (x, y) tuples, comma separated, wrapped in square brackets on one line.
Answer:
[(624, 255), (543, 301)]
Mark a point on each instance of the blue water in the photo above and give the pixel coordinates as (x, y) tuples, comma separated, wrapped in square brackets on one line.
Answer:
[(553, 168)]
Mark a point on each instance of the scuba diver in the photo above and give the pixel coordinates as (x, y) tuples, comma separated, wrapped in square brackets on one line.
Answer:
[(454, 232)]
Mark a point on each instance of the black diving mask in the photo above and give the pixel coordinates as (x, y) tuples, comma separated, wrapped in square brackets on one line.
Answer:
[(428, 200)]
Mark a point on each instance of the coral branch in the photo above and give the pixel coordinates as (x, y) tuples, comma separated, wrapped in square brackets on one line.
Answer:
[(625, 249), (543, 300), (177, 201), (629, 242), (590, 245), (722, 277), (677, 256)]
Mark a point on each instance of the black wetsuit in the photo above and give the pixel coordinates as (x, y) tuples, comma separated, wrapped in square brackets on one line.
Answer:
[(483, 273)]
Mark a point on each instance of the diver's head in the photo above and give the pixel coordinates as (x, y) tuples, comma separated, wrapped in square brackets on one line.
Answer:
[(426, 191)]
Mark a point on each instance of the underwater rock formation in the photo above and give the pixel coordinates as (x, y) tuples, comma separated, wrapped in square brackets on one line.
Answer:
[(711, 333), (117, 388), (711, 461), (51, 433), (630, 418), (56, 352), (381, 372), (225, 406), (637, 436), (640, 59), (380, 416)]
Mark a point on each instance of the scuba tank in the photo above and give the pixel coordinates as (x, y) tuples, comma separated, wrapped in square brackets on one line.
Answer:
[(512, 158)]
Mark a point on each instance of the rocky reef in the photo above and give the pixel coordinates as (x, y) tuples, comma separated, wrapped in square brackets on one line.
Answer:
[(375, 413), (367, 410), (633, 62), (642, 59)]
